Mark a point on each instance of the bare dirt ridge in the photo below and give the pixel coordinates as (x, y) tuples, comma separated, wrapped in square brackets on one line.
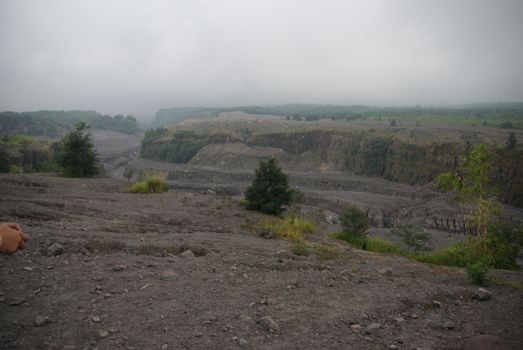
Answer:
[(125, 280)]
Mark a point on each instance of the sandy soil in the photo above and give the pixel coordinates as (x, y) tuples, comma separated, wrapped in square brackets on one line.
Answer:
[(121, 282)]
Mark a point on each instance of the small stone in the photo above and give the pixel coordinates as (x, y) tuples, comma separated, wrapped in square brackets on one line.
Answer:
[(70, 347), (119, 268), (42, 320), (242, 342), (269, 324), (165, 347), (267, 234), (55, 249), (168, 274), (103, 333), (414, 316), (27, 268), (17, 301), (482, 294), (96, 319), (436, 304), (188, 254), (392, 347), (355, 327), (386, 271), (449, 325), (371, 328)]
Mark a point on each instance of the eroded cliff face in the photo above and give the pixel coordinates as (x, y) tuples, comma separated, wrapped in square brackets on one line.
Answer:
[(367, 154), (354, 152)]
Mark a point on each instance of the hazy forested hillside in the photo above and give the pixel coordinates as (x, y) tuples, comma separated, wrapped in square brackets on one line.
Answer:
[(503, 115), (57, 123)]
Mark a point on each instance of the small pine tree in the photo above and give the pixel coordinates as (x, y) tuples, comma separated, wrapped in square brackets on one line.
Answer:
[(78, 156), (354, 221), (269, 190)]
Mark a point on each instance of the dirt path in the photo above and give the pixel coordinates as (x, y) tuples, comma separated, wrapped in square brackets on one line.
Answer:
[(121, 282)]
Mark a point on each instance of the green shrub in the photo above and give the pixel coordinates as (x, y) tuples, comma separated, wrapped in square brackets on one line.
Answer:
[(156, 184), (15, 169), (354, 221), (291, 228), (382, 246), (326, 252), (478, 273), (494, 251), (139, 187), (269, 191), (300, 248), (355, 241), (152, 184), (413, 237)]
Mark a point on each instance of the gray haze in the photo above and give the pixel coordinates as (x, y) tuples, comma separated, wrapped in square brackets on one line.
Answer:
[(135, 57)]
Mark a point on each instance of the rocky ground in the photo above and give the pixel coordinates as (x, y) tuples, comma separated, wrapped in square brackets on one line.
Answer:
[(108, 269)]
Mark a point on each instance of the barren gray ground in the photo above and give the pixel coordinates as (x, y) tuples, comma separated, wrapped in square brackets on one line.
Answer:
[(121, 282)]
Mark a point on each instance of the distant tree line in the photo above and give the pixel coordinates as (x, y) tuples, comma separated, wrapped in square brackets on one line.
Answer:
[(502, 115), (58, 123)]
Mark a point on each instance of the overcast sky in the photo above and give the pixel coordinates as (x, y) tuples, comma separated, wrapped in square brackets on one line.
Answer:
[(135, 57)]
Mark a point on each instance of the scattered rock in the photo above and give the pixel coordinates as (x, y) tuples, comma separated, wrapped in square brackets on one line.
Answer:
[(27, 268), (436, 304), (392, 347), (269, 324), (168, 274), (42, 320), (371, 328), (385, 272), (103, 333), (355, 327), (55, 249), (188, 254), (17, 301), (242, 342), (449, 325), (482, 294), (119, 268), (96, 319), (484, 342)]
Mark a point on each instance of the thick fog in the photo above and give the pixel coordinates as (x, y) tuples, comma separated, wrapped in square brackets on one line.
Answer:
[(135, 57)]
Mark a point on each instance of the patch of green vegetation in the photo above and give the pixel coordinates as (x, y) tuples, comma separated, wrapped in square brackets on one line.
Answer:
[(493, 250), (15, 169), (326, 252), (17, 139), (507, 283), (414, 237), (478, 273), (354, 221), (290, 228), (153, 184), (179, 147), (300, 248)]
